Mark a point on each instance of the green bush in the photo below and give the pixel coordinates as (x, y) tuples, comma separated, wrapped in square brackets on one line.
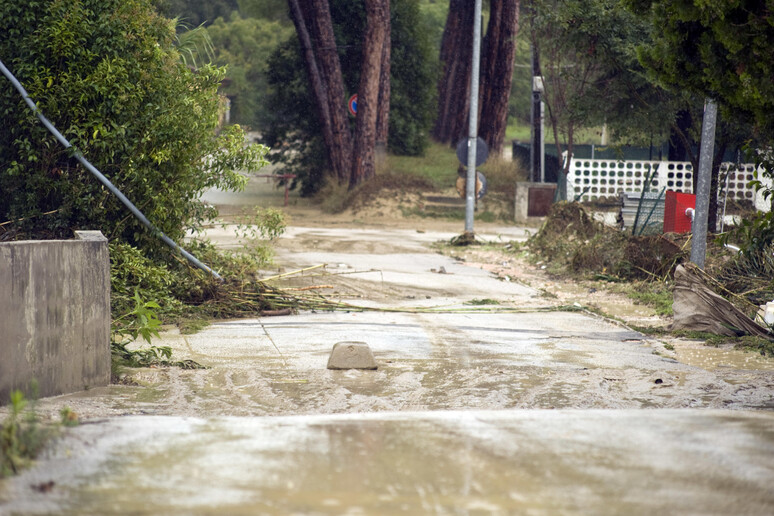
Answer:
[(109, 77), (21, 436), (177, 292)]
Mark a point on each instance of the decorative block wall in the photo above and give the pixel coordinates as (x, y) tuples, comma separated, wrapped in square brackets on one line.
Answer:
[(596, 179)]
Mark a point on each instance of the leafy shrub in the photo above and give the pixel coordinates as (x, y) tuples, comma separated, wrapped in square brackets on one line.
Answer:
[(21, 436), (180, 292), (108, 76)]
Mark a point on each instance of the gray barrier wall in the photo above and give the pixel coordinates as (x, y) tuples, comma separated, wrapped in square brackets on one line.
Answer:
[(54, 315)]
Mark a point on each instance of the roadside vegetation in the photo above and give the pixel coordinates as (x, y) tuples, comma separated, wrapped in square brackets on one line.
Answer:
[(124, 89), (572, 244), (23, 435)]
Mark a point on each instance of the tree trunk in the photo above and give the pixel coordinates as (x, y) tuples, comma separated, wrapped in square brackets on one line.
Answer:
[(717, 160), (454, 85), (497, 71), (679, 147), (489, 55), (318, 88), (383, 114), (318, 16), (377, 21)]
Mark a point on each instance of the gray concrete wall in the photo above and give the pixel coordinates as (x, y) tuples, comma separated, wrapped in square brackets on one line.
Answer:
[(54, 315)]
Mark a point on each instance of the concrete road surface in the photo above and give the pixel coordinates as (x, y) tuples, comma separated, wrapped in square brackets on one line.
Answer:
[(537, 412)]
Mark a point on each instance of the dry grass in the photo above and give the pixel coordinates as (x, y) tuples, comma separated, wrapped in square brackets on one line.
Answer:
[(502, 176), (336, 198)]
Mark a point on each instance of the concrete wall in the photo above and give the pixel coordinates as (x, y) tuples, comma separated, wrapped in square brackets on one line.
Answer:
[(54, 315)]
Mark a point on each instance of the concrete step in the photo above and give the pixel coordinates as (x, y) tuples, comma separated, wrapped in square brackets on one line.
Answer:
[(442, 204)]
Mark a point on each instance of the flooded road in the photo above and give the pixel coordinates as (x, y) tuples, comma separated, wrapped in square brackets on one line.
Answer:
[(521, 407), (473, 462)]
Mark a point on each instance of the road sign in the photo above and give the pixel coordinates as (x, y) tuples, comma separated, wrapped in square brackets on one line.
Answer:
[(352, 105), (482, 151)]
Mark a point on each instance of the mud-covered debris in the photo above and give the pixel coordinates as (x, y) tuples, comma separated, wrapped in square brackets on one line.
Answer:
[(698, 308), (571, 238)]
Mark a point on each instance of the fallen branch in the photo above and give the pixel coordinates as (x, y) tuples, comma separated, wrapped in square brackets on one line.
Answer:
[(271, 313), (314, 287), (293, 273)]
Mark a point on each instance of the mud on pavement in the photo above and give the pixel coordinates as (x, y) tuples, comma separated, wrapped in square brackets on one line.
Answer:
[(429, 361)]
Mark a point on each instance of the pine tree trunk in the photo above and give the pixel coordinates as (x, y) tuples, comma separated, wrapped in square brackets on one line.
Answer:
[(318, 17), (318, 88), (377, 21), (497, 72), (489, 55), (454, 85), (383, 114)]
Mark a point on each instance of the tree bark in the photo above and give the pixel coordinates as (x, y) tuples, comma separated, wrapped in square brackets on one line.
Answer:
[(497, 71), (383, 113), (318, 88), (454, 85), (717, 160), (321, 28), (489, 54), (678, 142), (377, 21)]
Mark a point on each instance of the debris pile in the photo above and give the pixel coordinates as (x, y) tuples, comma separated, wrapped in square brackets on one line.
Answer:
[(572, 239)]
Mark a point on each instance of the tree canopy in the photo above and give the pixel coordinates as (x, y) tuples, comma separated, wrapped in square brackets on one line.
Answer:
[(197, 12), (588, 54), (719, 49), (244, 45)]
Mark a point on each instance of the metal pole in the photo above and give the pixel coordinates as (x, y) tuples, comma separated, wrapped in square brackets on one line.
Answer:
[(536, 129), (542, 154), (699, 238), (470, 190), (533, 129)]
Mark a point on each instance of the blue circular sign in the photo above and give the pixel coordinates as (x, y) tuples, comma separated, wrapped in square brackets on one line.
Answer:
[(352, 105)]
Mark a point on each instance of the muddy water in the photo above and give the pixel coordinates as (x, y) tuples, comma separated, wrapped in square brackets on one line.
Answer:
[(506, 462), (712, 359)]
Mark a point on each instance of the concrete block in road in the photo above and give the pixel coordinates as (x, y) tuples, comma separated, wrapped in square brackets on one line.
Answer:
[(351, 355)]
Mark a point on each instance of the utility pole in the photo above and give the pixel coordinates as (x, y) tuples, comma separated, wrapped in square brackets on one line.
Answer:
[(699, 228), (470, 185)]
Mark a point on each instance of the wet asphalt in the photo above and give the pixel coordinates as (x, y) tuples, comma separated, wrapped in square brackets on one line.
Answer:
[(555, 412)]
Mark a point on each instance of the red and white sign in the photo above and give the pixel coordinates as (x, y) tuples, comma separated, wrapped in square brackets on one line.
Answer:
[(352, 105)]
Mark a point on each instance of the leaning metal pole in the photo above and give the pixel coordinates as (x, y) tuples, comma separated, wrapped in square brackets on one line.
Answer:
[(470, 186), (699, 238)]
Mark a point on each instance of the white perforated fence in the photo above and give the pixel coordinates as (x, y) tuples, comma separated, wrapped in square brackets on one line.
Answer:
[(603, 179)]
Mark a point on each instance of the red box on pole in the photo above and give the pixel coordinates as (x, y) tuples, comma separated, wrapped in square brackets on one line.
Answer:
[(675, 218)]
